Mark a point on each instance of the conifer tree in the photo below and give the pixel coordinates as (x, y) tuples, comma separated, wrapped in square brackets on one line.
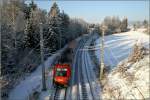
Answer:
[(124, 25), (54, 30)]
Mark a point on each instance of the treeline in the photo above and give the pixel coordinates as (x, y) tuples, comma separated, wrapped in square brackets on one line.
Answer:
[(20, 33), (140, 24), (112, 25), (115, 25)]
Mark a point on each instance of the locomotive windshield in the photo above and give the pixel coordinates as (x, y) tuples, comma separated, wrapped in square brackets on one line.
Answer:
[(61, 72)]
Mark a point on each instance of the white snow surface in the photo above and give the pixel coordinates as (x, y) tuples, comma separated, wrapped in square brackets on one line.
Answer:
[(119, 46), (32, 82), (133, 86)]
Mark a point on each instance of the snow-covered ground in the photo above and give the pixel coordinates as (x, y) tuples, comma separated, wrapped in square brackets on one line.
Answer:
[(33, 82), (132, 83), (119, 46), (141, 29)]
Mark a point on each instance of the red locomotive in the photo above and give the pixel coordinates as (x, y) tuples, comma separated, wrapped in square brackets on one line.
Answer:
[(61, 75)]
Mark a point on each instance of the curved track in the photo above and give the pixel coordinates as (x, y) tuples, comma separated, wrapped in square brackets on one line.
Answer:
[(81, 85), (88, 82), (65, 93)]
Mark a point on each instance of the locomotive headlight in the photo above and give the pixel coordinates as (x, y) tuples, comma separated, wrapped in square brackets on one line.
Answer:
[(60, 79)]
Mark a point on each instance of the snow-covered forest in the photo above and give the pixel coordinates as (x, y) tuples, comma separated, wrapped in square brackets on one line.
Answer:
[(20, 36)]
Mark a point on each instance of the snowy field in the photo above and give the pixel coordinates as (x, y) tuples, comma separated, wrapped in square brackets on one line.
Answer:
[(119, 46)]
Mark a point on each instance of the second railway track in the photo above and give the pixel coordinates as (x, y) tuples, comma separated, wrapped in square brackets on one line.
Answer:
[(80, 77)]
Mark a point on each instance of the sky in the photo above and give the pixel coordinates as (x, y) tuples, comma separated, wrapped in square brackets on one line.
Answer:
[(96, 11)]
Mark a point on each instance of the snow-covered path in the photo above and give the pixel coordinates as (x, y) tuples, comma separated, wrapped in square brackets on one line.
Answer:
[(119, 46), (32, 82)]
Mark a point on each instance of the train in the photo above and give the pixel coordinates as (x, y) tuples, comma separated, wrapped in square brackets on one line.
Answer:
[(62, 70), (61, 75)]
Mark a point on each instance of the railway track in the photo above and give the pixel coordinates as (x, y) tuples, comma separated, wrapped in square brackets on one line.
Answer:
[(61, 93), (84, 91), (58, 93), (80, 78), (87, 88), (75, 83), (81, 87)]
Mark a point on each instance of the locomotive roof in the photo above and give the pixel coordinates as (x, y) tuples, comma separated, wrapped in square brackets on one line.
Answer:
[(62, 65)]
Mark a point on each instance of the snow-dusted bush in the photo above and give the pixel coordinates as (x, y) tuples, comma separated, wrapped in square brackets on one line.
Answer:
[(138, 53)]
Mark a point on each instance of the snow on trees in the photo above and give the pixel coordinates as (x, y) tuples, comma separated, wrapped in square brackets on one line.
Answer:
[(115, 25), (145, 23), (124, 25), (64, 27), (54, 22)]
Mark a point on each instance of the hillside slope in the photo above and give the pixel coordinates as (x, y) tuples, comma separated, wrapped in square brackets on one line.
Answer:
[(130, 79)]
